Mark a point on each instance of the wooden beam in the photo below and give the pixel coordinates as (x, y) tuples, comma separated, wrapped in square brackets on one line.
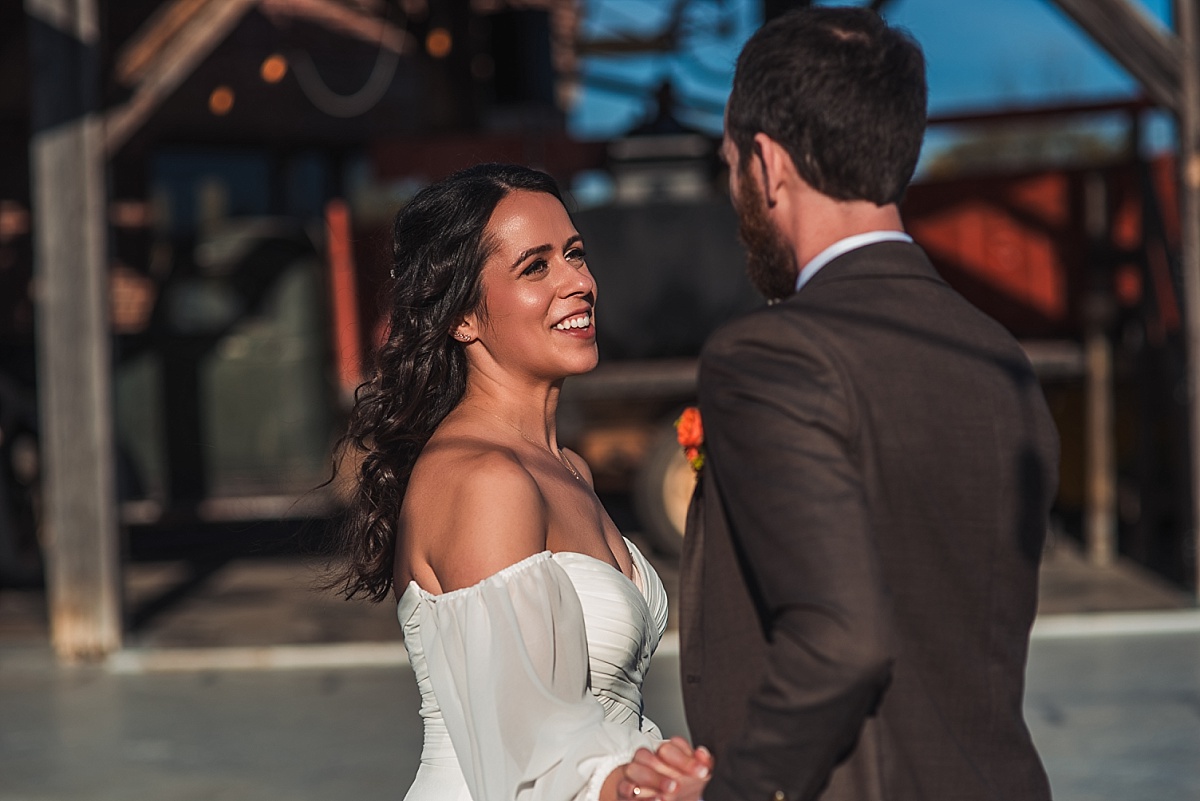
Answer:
[(1130, 36), (206, 26), (1189, 164), (1010, 114), (73, 342), (773, 8), (135, 59), (335, 16), (665, 42)]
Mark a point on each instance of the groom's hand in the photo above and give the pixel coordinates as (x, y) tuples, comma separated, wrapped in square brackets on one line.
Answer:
[(677, 772)]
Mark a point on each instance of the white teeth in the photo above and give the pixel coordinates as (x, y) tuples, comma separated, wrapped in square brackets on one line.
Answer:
[(583, 321)]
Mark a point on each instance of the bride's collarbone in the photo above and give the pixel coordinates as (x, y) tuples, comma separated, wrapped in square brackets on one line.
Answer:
[(573, 516), (601, 542), (577, 521)]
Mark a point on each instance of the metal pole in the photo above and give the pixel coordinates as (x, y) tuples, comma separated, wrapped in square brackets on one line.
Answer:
[(74, 353), (1189, 165)]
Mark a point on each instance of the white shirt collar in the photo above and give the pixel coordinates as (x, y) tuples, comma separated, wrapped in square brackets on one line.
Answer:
[(846, 245)]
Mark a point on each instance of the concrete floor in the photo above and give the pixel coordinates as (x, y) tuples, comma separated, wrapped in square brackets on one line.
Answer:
[(187, 712), (1116, 717)]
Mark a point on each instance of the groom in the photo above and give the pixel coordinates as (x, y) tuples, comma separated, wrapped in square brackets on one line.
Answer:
[(860, 568)]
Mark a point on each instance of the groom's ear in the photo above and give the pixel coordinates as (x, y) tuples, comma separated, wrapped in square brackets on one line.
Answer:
[(775, 165)]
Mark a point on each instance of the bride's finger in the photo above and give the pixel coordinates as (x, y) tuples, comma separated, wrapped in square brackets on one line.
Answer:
[(681, 744), (676, 751), (677, 754), (632, 791), (649, 778), (652, 762)]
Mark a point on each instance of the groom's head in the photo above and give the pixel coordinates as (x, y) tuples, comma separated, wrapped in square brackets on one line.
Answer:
[(841, 92)]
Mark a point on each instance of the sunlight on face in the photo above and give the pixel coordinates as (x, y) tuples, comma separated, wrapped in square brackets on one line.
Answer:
[(538, 294)]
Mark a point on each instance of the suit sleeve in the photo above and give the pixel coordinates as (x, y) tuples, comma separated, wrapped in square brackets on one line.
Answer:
[(779, 433)]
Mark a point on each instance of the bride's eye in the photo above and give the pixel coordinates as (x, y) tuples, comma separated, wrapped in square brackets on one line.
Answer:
[(536, 266)]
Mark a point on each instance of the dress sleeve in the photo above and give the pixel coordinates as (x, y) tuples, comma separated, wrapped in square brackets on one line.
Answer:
[(508, 663)]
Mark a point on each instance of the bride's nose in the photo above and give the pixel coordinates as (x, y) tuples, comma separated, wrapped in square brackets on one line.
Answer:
[(578, 281)]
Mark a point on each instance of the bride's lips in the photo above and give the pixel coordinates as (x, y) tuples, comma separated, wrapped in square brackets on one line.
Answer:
[(578, 324)]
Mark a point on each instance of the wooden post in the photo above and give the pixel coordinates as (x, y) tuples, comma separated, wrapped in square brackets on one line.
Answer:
[(1189, 165), (1100, 500), (74, 351), (1101, 489)]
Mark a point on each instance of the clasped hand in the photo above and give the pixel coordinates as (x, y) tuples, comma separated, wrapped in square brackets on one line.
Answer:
[(676, 772)]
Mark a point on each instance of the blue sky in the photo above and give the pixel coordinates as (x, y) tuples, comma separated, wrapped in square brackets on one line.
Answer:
[(981, 54)]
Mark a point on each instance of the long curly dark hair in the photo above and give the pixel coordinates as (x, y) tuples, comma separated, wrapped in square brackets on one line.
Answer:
[(439, 247)]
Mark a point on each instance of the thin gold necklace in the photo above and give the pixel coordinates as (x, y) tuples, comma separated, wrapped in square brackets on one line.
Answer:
[(562, 457)]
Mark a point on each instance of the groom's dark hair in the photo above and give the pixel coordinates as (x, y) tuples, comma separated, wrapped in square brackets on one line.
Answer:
[(842, 92)]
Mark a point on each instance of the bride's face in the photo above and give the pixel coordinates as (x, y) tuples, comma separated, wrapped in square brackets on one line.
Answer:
[(538, 294)]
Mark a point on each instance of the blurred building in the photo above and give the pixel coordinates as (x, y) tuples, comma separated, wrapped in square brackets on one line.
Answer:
[(258, 148), (245, 143)]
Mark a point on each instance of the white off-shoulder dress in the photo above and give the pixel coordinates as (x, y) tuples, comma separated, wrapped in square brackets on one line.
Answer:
[(531, 680)]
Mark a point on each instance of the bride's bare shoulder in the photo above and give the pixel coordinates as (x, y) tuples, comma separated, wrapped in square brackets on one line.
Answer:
[(475, 508)]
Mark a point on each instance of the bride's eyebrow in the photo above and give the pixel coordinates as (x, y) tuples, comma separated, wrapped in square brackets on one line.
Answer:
[(543, 249), (530, 252)]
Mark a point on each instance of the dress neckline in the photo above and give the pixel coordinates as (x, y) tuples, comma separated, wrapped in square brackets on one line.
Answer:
[(637, 571), (634, 555)]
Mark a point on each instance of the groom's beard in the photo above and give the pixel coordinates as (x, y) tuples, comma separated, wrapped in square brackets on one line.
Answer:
[(770, 263)]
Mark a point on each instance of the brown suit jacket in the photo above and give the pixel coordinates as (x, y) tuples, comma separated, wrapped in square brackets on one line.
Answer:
[(859, 575)]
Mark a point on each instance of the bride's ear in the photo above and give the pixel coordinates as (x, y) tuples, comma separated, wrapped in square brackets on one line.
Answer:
[(464, 332)]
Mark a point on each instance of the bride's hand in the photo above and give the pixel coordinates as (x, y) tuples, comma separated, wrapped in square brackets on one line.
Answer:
[(677, 772)]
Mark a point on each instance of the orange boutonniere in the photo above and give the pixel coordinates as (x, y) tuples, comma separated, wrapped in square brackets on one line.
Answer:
[(690, 433)]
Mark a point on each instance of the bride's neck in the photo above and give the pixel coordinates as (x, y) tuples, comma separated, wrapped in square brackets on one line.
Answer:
[(530, 410)]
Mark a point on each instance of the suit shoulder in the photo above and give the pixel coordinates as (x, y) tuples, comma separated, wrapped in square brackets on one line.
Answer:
[(764, 347), (782, 326)]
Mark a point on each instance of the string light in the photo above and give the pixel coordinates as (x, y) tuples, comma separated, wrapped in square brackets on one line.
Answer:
[(438, 43), (273, 68), (220, 102)]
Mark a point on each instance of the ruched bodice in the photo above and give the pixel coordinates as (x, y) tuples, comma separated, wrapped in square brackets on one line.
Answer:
[(485, 658)]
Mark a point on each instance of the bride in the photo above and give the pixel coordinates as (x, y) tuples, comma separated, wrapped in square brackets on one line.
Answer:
[(528, 618)]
